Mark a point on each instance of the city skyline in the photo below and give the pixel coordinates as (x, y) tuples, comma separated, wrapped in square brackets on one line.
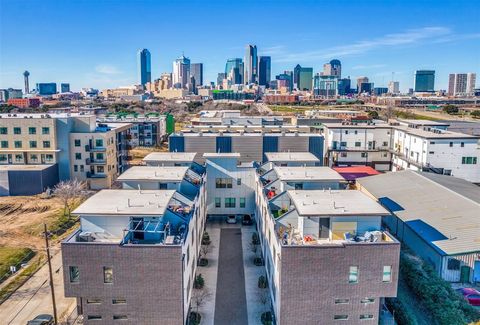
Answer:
[(398, 47)]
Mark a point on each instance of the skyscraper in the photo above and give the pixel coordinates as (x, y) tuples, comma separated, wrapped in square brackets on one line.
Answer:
[(425, 81), (344, 86), (144, 67), (333, 68), (264, 70), (64, 88), (196, 71), (461, 83), (220, 77), (394, 87), (360, 81), (181, 72), (25, 77), (236, 77), (303, 77), (250, 65)]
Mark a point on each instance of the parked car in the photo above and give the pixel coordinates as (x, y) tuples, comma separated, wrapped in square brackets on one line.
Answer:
[(231, 219), (43, 319), (471, 295), (247, 220)]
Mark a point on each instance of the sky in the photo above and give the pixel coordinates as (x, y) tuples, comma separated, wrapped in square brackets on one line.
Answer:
[(94, 43)]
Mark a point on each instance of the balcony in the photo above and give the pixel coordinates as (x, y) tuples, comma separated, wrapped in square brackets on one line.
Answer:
[(98, 161), (98, 149), (96, 175)]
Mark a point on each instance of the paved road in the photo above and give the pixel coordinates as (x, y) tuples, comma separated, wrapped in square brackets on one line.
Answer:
[(34, 297), (230, 299)]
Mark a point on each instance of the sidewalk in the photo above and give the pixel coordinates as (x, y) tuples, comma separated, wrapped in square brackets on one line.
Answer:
[(34, 297)]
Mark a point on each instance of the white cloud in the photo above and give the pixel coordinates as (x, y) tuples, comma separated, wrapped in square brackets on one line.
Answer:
[(408, 37), (107, 69)]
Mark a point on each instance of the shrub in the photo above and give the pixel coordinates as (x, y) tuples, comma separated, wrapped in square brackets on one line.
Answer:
[(475, 113), (450, 109), (202, 261), (403, 315), (194, 318), (199, 282), (255, 239), (258, 261), (262, 282), (372, 114), (206, 239), (437, 295), (266, 318)]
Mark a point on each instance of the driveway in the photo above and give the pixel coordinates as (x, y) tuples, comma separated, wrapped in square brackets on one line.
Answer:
[(230, 299)]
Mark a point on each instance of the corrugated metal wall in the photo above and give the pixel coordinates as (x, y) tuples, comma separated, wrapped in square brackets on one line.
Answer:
[(224, 144), (292, 143), (249, 147), (200, 145), (4, 188), (315, 146), (176, 143), (270, 144)]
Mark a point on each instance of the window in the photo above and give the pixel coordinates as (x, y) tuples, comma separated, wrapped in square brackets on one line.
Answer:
[(432, 142), (431, 152), (81, 168), (358, 144), (343, 144), (453, 264), (364, 155), (74, 274), (346, 131), (230, 202), (99, 156), (32, 130), (18, 158), (77, 143), (78, 156), (462, 144), (107, 275), (387, 273), (469, 160), (341, 301), (45, 130), (344, 154), (3, 130), (242, 202), (119, 317), (75, 168), (366, 316), (4, 144), (451, 144), (3, 157), (223, 183), (34, 157), (49, 157), (218, 202), (353, 274), (33, 144), (46, 144), (356, 132), (94, 317), (17, 130), (119, 301), (367, 301), (239, 181), (340, 317), (100, 169), (98, 142), (94, 301), (385, 143)]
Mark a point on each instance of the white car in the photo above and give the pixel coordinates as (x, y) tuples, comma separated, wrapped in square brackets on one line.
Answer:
[(231, 219)]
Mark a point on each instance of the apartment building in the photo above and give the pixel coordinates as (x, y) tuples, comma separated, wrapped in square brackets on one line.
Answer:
[(251, 145), (327, 258), (436, 150), (405, 144), (73, 143), (230, 186), (146, 131), (99, 155), (133, 259), (350, 143)]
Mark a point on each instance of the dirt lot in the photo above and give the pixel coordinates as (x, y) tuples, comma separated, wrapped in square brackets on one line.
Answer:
[(22, 218), (140, 152)]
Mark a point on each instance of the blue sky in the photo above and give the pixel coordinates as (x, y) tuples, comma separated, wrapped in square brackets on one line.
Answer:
[(94, 42)]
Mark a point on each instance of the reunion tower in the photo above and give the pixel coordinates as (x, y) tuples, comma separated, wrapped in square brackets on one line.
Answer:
[(25, 77)]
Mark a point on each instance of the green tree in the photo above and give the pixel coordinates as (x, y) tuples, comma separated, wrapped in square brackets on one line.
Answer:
[(450, 109)]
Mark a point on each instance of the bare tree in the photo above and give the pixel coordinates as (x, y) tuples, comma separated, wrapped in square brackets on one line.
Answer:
[(200, 297), (68, 192)]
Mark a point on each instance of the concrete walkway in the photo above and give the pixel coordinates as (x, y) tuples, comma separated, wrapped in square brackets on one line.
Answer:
[(33, 298), (230, 301)]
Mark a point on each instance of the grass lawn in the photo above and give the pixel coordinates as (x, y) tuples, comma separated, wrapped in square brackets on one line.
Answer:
[(11, 256), (21, 278), (290, 109)]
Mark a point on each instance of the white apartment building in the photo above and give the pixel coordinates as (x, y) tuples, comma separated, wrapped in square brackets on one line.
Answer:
[(350, 143)]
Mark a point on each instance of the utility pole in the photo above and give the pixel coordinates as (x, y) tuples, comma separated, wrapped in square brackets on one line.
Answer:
[(52, 288)]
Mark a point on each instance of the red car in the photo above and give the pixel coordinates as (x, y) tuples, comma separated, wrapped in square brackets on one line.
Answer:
[(471, 295)]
